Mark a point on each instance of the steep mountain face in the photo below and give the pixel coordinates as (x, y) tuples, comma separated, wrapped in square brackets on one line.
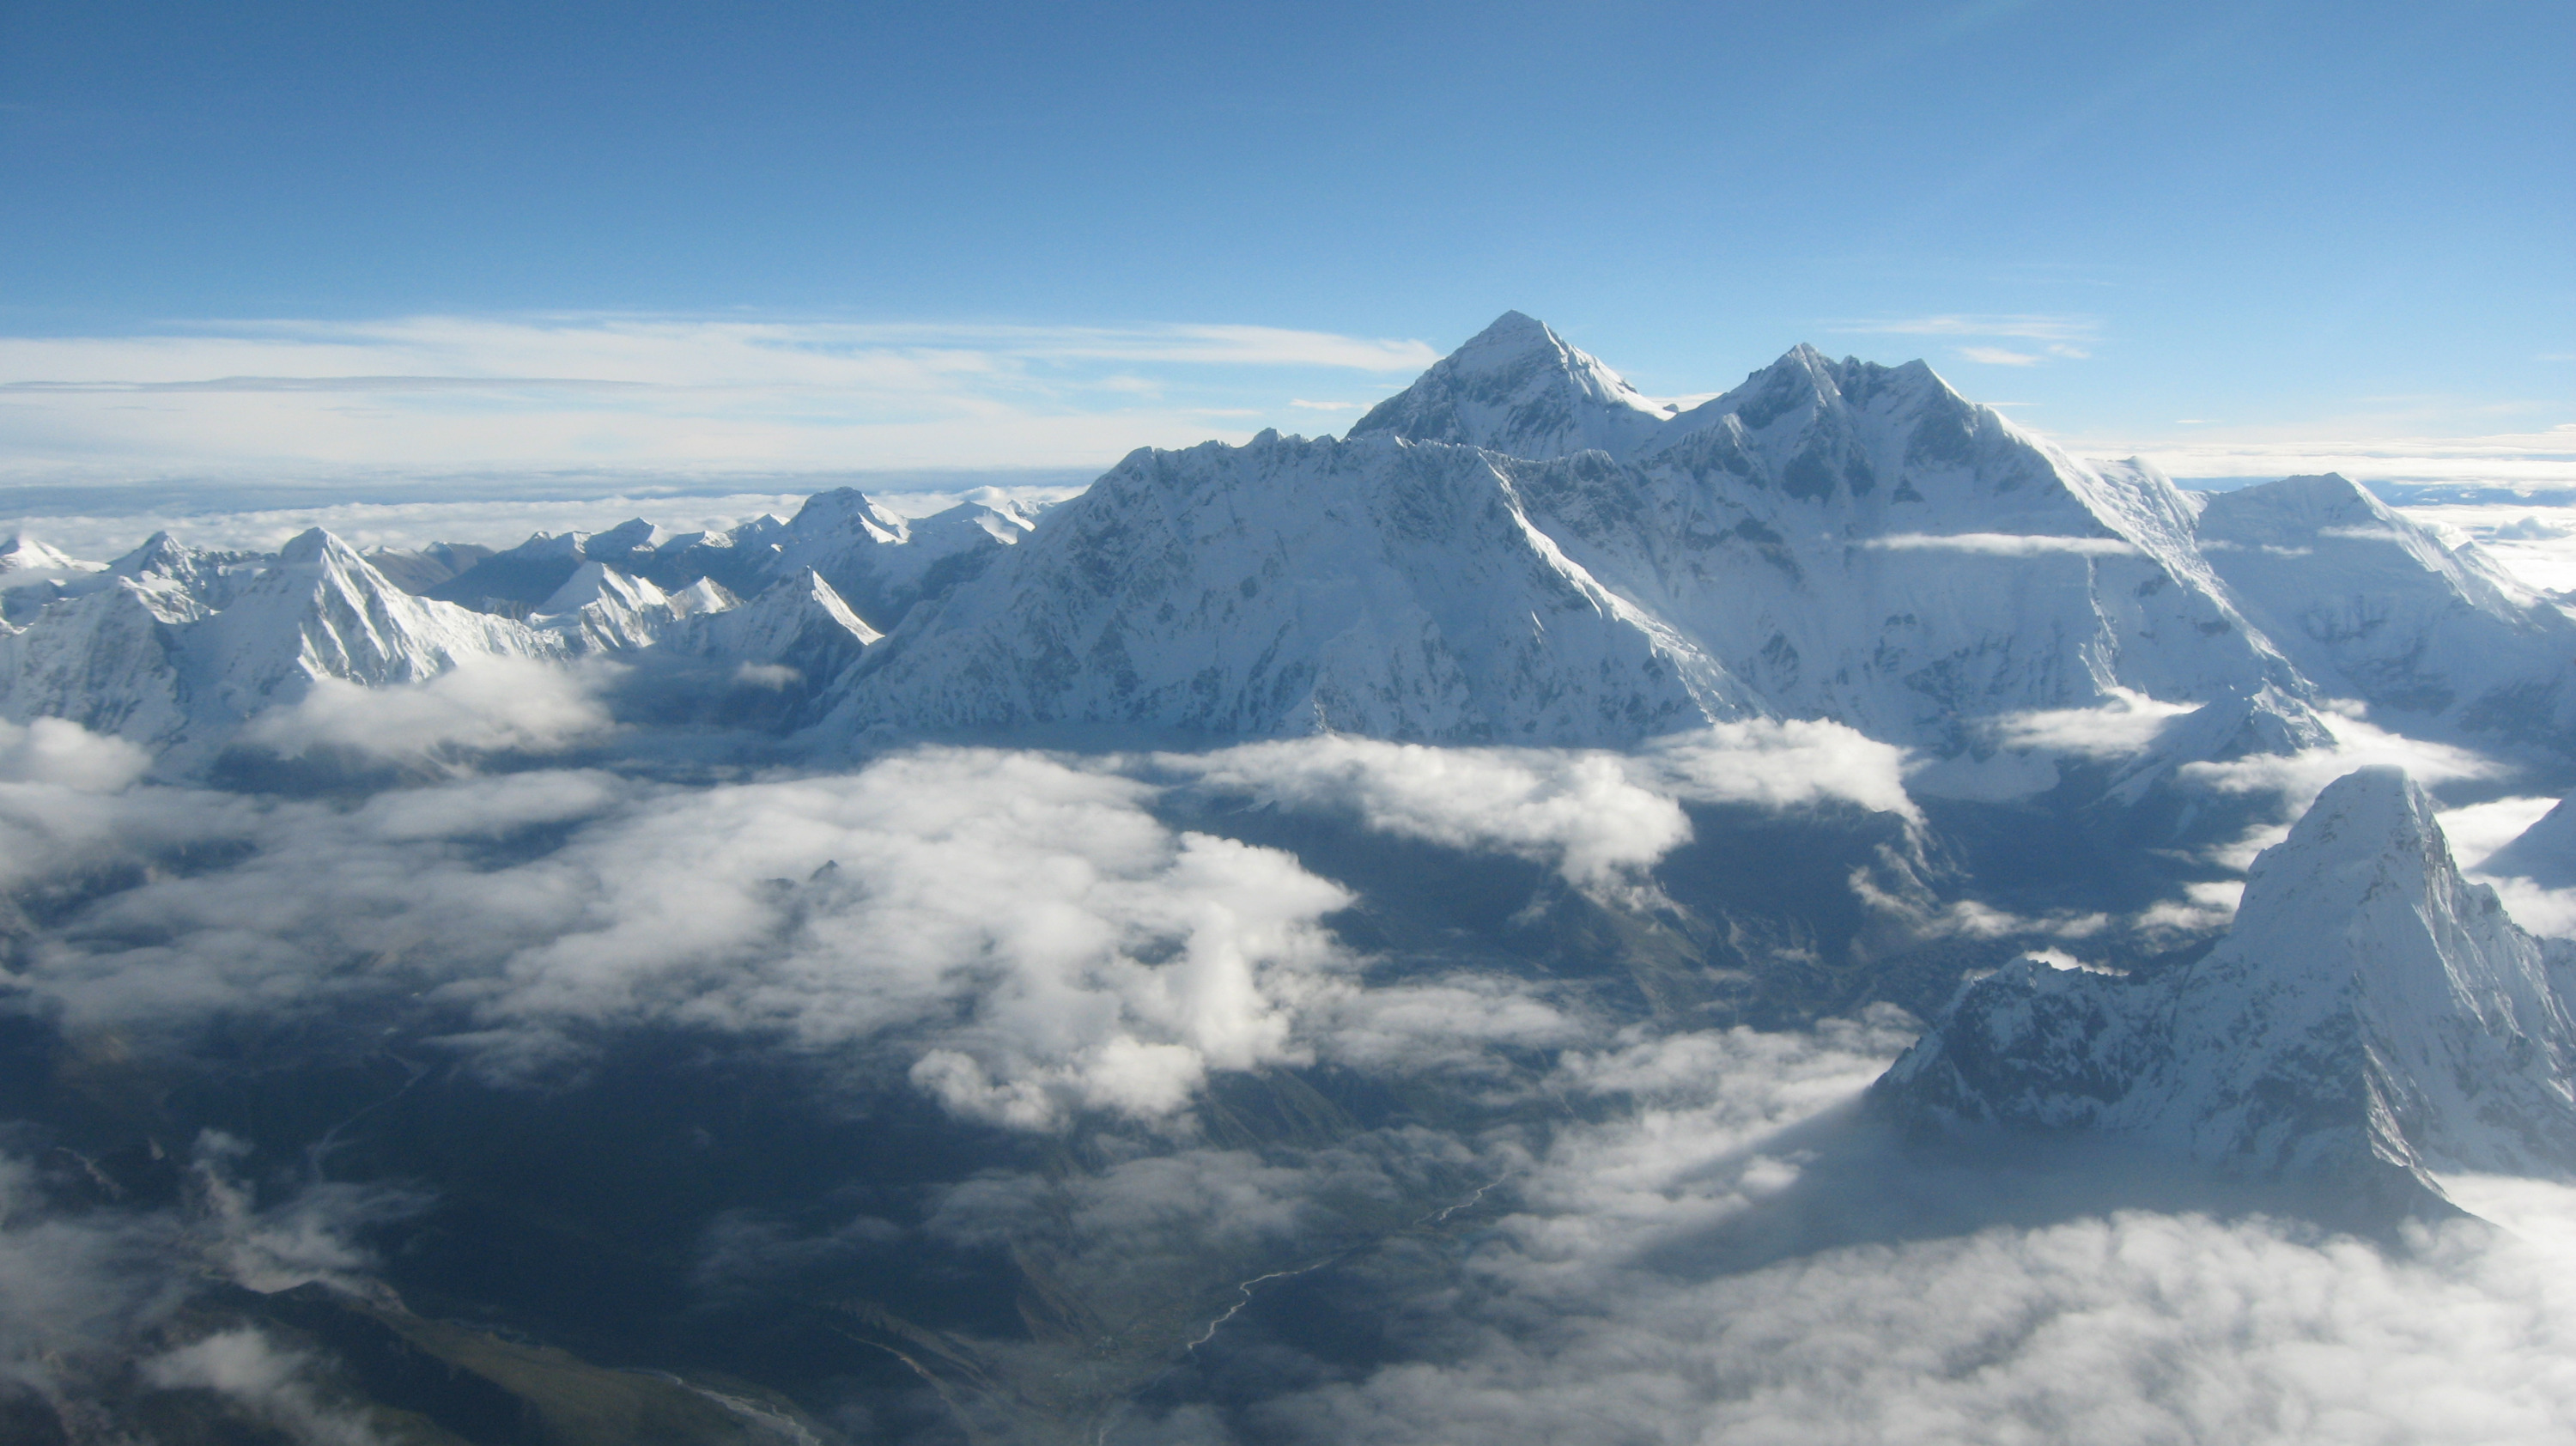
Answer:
[(2370, 1018), (1373, 586), (2372, 606), (1520, 547), (602, 610), (1833, 540), (1520, 389), (144, 655), (799, 624), (1859, 542)]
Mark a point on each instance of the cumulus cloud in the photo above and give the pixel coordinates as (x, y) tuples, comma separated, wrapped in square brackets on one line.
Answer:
[(2000, 544), (58, 751), (1596, 817), (2117, 729), (274, 1385), (1579, 811), (1780, 765), (485, 705), (1021, 934)]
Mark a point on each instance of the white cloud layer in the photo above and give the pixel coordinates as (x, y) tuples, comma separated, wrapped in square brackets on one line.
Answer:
[(2000, 544), (484, 705), (1595, 816), (1579, 1316)]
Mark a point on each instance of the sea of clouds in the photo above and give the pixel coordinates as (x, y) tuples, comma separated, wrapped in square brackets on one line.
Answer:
[(1602, 1242)]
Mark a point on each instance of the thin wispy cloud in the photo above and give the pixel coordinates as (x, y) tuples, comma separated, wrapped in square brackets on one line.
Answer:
[(2358, 449), (621, 391), (1999, 544), (2068, 330)]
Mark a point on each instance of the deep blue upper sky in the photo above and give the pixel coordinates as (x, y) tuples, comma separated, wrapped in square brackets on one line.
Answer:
[(2241, 215)]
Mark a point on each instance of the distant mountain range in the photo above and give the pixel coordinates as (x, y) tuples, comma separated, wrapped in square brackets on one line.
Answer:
[(1516, 548)]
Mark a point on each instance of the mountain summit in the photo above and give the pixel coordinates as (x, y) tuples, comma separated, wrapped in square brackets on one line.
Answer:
[(2370, 1019), (1519, 388)]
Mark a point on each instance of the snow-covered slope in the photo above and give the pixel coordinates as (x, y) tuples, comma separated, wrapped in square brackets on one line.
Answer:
[(1372, 586), (881, 564), (1834, 540), (2373, 606), (799, 623), (145, 657), (1518, 388), (1859, 542), (602, 610), (521, 579), (2370, 1018), (22, 553)]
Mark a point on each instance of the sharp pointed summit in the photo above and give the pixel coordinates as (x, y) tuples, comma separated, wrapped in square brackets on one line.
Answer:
[(1519, 388), (2371, 1019)]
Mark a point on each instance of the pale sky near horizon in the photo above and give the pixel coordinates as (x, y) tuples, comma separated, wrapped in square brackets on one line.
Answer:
[(395, 243)]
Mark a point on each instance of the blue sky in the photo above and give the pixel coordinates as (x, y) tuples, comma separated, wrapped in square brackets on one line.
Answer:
[(793, 236)]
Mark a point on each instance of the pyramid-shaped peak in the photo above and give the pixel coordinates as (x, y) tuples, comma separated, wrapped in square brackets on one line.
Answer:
[(629, 535), (315, 545), (22, 553), (1518, 387), (2319, 494), (1511, 331), (847, 510), (2373, 826), (2375, 797)]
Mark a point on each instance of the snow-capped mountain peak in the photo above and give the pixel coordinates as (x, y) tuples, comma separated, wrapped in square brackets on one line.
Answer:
[(2371, 1018), (22, 553), (1518, 387)]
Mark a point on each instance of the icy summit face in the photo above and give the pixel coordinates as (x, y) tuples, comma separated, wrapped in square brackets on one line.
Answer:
[(1518, 388), (2371, 1018)]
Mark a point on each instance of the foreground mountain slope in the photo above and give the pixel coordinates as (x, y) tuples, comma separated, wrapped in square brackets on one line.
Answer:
[(2370, 1018)]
